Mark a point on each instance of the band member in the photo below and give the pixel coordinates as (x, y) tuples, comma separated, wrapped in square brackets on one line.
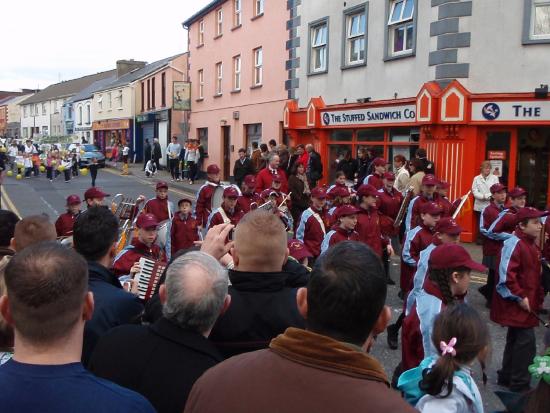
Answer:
[(298, 251), (228, 212), (492, 242), (390, 200), (127, 262), (340, 182), (276, 185), (505, 224), (344, 229), (313, 223), (518, 297), (375, 179), (65, 222), (339, 196), (184, 229), (368, 220), (427, 194), (203, 207), (449, 207), (94, 197), (160, 206), (249, 199)]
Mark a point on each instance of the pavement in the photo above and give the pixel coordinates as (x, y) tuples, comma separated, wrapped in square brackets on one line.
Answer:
[(38, 195)]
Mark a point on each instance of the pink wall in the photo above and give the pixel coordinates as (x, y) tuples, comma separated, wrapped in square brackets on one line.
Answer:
[(264, 104)]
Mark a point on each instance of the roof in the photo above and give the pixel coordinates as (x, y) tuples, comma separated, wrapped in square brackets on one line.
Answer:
[(202, 12), (139, 73), (67, 88), (88, 92), (14, 99)]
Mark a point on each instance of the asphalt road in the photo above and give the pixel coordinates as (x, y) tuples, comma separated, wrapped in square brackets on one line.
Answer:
[(37, 195)]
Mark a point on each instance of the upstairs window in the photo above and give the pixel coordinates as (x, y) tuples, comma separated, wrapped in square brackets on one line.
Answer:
[(258, 7), (219, 22), (258, 66), (237, 73), (201, 33), (237, 13), (401, 27), (356, 29), (201, 84), (319, 46), (219, 78)]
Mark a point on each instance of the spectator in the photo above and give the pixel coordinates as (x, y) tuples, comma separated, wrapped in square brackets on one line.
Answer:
[(243, 166), (157, 153), (299, 191), (481, 188), (299, 155), (264, 156), (146, 153), (417, 174), (402, 176), (284, 156), (8, 221), (192, 157), (33, 229), (262, 306), (428, 166), (348, 165), (174, 149), (162, 361), (95, 238), (272, 146), (265, 176), (314, 167), (46, 375), (343, 305), (256, 157)]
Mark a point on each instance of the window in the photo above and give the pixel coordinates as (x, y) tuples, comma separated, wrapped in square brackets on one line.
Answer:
[(44, 108), (401, 27), (201, 84), (45, 130), (25, 111), (258, 7), (55, 109), (88, 114), (153, 81), (148, 94), (202, 133), (219, 78), (253, 134), (536, 21), (201, 33), (36, 110), (236, 13), (219, 22), (237, 73), (100, 102), (319, 46), (69, 111), (80, 115), (163, 90), (119, 98), (142, 96), (110, 99), (356, 39), (258, 66)]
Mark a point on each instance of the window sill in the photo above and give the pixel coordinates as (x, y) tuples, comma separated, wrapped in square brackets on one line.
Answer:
[(238, 26), (530, 41), (218, 95), (256, 17), (200, 45), (235, 91), (256, 86), (323, 72), (353, 66), (399, 56), (199, 100), (218, 36), (120, 108)]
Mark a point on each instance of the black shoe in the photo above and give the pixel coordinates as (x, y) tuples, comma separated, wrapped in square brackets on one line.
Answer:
[(393, 336), (390, 281)]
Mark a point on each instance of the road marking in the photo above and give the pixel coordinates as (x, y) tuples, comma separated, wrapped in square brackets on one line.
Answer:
[(49, 206), (11, 205)]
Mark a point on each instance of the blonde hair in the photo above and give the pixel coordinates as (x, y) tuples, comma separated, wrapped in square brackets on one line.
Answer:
[(485, 164)]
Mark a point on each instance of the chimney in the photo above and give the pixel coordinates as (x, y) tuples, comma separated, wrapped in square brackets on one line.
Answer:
[(127, 66)]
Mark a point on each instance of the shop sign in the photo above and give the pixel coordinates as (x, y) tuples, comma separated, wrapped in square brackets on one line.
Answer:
[(111, 124), (522, 111), (370, 116), (145, 118), (497, 155)]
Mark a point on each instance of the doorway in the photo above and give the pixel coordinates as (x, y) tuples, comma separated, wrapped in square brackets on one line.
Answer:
[(226, 133), (532, 166)]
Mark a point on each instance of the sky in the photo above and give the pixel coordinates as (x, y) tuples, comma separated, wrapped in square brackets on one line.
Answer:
[(45, 42)]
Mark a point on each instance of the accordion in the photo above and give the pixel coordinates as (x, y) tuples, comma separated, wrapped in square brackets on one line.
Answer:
[(149, 276)]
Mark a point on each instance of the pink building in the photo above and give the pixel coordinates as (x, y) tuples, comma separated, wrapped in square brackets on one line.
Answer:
[(237, 55)]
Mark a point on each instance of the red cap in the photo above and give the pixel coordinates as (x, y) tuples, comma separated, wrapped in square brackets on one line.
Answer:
[(73, 200), (366, 190), (213, 169), (530, 212), (230, 192), (453, 256), (379, 162), (318, 193), (431, 208), (390, 176), (266, 193), (429, 180), (95, 193), (161, 185), (338, 191), (298, 250), (443, 185), (181, 201), (497, 188), (517, 192), (277, 178), (448, 226), (147, 221), (345, 210), (250, 181)]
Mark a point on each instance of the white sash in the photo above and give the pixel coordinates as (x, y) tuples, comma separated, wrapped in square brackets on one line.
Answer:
[(319, 220), (225, 218)]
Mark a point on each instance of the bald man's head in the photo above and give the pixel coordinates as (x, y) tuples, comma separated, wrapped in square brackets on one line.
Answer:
[(33, 229)]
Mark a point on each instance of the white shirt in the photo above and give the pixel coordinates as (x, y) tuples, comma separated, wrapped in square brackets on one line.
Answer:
[(402, 178), (125, 151), (481, 189)]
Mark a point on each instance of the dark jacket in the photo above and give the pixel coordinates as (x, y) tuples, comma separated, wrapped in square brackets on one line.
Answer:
[(160, 361), (147, 152), (315, 166), (157, 152), (300, 201), (241, 169), (112, 307), (262, 306)]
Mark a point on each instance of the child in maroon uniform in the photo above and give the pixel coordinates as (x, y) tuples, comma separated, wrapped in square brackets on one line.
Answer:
[(314, 223), (184, 230), (203, 207), (65, 222), (375, 179), (368, 220), (249, 199), (228, 211), (344, 229)]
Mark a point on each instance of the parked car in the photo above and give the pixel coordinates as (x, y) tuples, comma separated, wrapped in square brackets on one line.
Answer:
[(91, 151)]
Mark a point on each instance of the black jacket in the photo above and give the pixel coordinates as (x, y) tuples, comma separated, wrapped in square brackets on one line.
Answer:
[(161, 361), (241, 169), (147, 152), (262, 307), (113, 307), (314, 166), (157, 152)]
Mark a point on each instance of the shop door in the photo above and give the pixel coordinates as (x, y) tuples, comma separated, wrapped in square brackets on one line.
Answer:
[(498, 151), (226, 152), (532, 166)]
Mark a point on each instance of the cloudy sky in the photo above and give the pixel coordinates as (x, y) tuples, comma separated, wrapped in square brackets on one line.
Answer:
[(44, 42)]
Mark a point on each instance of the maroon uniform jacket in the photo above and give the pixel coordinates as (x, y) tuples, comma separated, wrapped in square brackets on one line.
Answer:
[(506, 222), (368, 228), (265, 177), (132, 253), (448, 207), (374, 180), (336, 235), (519, 276), (203, 207), (245, 201), (416, 240), (413, 213), (389, 203), (183, 232), (490, 213), (216, 217), (157, 207), (310, 231), (64, 224)]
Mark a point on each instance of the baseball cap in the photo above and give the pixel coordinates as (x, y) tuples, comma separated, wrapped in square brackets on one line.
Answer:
[(213, 169), (379, 162), (390, 176), (181, 201), (517, 192), (431, 208), (250, 181), (453, 256), (95, 192), (497, 188), (276, 178), (429, 180), (448, 226), (443, 185), (345, 210), (230, 192), (161, 185), (530, 212), (366, 190), (147, 221), (318, 193), (73, 200), (298, 250), (338, 191)]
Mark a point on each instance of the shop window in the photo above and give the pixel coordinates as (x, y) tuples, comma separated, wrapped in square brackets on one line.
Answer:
[(401, 28), (341, 135), (253, 134), (336, 153), (355, 36), (202, 134), (318, 53), (370, 135), (536, 21)]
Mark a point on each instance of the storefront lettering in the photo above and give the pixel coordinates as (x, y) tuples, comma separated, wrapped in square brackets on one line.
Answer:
[(366, 116), (526, 111), (521, 111)]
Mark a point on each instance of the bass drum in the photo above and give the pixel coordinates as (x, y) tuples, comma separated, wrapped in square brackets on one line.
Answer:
[(162, 236)]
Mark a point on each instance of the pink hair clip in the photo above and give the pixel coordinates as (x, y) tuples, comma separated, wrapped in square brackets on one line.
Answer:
[(448, 348)]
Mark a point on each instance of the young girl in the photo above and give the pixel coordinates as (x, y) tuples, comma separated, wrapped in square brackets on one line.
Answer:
[(444, 383), (449, 269), (339, 196), (344, 229)]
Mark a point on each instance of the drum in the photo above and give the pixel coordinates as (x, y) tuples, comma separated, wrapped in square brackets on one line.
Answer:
[(163, 234), (217, 198)]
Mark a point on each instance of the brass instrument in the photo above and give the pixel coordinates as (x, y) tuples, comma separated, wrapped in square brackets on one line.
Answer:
[(404, 206), (461, 205), (126, 210)]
